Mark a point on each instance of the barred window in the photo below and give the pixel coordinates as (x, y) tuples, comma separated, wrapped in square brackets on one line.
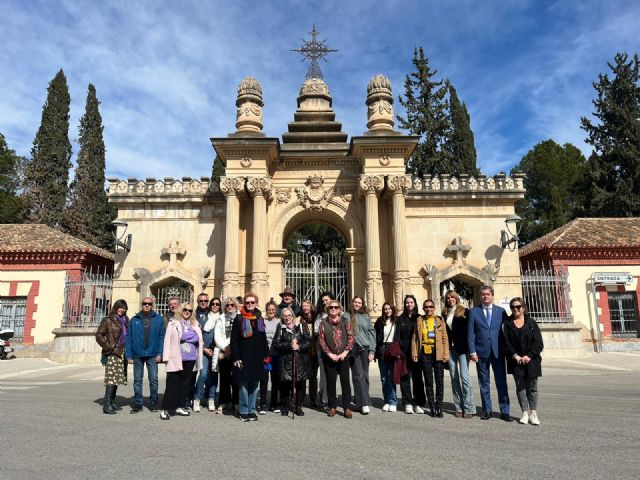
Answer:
[(12, 315), (624, 314)]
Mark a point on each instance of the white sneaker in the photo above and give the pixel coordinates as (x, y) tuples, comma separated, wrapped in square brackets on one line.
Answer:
[(408, 409), (393, 408), (212, 406), (525, 417), (182, 412), (164, 415), (196, 406), (419, 409), (365, 410), (385, 407), (534, 418)]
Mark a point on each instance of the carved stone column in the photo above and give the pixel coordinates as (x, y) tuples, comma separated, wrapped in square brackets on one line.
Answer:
[(260, 189), (397, 187), (370, 187), (232, 188)]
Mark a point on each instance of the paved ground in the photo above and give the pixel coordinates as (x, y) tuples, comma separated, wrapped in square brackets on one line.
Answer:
[(52, 427)]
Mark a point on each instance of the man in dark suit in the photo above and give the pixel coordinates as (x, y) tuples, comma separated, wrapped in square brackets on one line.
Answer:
[(485, 347)]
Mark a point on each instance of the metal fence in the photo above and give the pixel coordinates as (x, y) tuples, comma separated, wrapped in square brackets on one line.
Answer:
[(311, 275), (545, 289), (180, 289), (87, 300)]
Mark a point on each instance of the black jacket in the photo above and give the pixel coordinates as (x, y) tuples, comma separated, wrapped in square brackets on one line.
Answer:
[(282, 345), (251, 350), (380, 340), (459, 332), (405, 326), (529, 344)]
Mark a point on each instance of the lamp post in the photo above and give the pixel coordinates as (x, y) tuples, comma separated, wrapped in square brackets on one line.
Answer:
[(509, 239), (123, 241)]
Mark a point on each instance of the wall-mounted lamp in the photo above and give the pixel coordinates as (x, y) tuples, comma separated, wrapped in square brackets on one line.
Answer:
[(123, 241), (509, 239)]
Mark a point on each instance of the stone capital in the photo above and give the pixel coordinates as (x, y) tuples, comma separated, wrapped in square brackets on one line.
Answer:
[(232, 186), (398, 184), (371, 184), (259, 186)]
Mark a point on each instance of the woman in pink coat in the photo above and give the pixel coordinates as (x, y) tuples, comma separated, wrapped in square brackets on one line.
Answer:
[(183, 354)]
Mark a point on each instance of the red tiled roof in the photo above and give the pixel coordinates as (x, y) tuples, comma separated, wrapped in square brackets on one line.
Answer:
[(589, 233), (41, 238)]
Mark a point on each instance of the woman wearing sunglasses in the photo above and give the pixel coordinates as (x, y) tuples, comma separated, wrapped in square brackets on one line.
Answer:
[(228, 394), (183, 354), (208, 379), (523, 345), (430, 349)]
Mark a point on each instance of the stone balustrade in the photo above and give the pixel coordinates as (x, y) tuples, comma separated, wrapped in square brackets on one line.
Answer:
[(445, 182), (186, 186)]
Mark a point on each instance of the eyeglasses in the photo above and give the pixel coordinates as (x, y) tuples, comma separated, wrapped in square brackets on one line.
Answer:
[(187, 310), (203, 301), (147, 304), (429, 306), (250, 302), (332, 307), (230, 305), (516, 307), (215, 304)]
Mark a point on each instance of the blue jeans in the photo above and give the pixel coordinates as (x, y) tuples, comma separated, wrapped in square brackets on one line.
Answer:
[(138, 375), (248, 396), (461, 382), (207, 381), (388, 387)]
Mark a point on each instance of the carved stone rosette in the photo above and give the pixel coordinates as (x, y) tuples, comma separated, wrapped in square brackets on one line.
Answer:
[(260, 186), (379, 104), (371, 184), (232, 186), (249, 103)]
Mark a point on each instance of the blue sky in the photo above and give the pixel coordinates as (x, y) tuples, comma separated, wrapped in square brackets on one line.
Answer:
[(166, 72)]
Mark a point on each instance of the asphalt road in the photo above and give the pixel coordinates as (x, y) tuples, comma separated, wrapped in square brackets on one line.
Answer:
[(52, 427)]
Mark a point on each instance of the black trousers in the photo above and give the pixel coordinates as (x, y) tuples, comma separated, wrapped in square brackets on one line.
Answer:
[(430, 368), (286, 391), (405, 388), (178, 386), (332, 370), (313, 379), (228, 392), (415, 368), (275, 386)]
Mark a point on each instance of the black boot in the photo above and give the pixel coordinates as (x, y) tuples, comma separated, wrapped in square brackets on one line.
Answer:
[(432, 409), (106, 403), (438, 410), (113, 399)]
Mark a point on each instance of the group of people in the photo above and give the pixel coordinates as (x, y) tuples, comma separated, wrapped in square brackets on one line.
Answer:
[(224, 355)]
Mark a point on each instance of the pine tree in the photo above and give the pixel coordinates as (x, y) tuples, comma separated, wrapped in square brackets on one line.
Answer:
[(427, 116), (218, 169), (613, 181), (10, 170), (553, 181), (460, 144), (47, 174), (89, 213)]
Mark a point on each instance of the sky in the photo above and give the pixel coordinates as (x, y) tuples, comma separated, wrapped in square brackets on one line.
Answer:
[(166, 72)]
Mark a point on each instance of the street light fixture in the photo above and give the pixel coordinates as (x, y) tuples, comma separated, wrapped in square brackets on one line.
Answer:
[(123, 241), (509, 239)]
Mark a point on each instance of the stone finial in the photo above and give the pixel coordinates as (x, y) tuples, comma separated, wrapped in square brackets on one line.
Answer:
[(249, 103), (314, 95), (379, 104)]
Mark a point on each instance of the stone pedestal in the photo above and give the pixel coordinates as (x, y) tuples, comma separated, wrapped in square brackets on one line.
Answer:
[(75, 346)]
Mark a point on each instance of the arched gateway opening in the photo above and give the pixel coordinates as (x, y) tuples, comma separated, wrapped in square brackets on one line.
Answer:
[(316, 261)]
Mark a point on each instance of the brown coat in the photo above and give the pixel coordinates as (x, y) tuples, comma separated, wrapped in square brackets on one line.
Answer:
[(108, 334), (442, 340)]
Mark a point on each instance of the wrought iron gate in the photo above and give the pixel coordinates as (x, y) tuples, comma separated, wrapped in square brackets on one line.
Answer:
[(311, 275), (87, 300), (182, 290)]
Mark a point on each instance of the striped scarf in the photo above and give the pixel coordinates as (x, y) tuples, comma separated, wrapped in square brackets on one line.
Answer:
[(250, 320)]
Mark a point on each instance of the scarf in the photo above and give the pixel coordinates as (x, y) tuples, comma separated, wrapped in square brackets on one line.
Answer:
[(212, 318), (123, 329), (250, 320)]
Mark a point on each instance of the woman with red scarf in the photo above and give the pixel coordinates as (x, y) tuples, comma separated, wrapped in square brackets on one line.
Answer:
[(249, 350)]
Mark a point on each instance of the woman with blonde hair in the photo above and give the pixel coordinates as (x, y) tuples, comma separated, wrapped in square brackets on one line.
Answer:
[(183, 354), (456, 316)]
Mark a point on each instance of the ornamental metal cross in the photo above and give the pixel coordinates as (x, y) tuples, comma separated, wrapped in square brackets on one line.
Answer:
[(314, 51)]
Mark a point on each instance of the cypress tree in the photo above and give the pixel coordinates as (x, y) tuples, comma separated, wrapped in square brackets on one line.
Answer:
[(89, 213), (218, 169), (10, 170), (426, 107), (47, 174), (460, 143), (613, 180)]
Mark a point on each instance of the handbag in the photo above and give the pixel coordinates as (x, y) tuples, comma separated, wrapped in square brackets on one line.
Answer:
[(386, 346)]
